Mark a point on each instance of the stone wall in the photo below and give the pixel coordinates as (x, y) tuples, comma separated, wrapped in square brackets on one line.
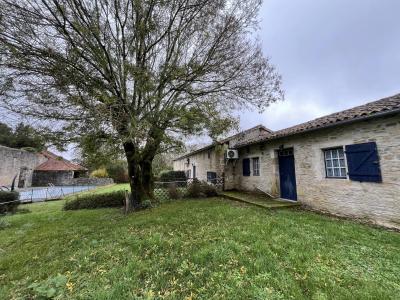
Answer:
[(211, 160), (66, 178), (377, 202), (18, 162), (89, 181), (58, 178)]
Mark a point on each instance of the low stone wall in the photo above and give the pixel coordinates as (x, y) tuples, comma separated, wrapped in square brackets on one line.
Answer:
[(89, 181)]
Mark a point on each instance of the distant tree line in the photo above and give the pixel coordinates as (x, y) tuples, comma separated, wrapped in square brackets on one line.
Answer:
[(23, 136)]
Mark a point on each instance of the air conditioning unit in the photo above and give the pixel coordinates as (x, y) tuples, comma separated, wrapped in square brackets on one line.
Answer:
[(232, 154)]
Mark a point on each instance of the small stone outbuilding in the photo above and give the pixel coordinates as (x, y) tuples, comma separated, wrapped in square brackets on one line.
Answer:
[(27, 168), (57, 171), (346, 163)]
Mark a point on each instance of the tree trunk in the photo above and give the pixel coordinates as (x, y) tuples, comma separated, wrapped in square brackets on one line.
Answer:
[(140, 176), (147, 175)]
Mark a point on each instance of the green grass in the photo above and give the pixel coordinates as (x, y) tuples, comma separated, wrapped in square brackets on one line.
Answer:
[(204, 249)]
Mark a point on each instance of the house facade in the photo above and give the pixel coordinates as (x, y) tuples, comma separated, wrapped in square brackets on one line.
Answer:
[(347, 163)]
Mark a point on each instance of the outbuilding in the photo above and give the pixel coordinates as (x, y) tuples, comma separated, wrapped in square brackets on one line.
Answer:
[(56, 170)]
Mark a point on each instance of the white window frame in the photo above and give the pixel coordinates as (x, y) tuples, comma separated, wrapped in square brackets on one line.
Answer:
[(335, 160), (253, 160)]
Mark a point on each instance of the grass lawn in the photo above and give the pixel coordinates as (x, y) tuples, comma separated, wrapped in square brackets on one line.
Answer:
[(195, 249)]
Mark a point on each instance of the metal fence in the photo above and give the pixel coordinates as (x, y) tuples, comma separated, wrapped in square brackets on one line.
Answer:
[(50, 193), (165, 191)]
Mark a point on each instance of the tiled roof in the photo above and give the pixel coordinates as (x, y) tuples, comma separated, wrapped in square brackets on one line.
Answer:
[(242, 135), (369, 110), (50, 155), (57, 163)]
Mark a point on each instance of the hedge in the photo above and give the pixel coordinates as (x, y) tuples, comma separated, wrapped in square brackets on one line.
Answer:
[(169, 176), (89, 201), (6, 196)]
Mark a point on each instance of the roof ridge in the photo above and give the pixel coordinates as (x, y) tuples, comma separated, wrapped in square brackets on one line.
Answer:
[(222, 141), (369, 109)]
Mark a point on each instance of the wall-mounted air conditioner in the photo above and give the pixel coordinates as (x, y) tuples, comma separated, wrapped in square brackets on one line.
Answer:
[(232, 154)]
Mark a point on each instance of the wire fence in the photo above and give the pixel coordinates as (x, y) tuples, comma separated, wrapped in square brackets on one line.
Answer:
[(50, 193), (164, 191)]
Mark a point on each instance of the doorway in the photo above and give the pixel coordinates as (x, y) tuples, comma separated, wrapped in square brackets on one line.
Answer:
[(287, 174)]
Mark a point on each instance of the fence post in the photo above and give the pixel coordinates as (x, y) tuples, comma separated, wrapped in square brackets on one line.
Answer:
[(127, 202)]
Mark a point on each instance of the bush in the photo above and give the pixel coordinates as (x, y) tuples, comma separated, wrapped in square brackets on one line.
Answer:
[(194, 190), (146, 204), (99, 173), (173, 192), (201, 189), (170, 176), (6, 196), (209, 190), (118, 171), (112, 199)]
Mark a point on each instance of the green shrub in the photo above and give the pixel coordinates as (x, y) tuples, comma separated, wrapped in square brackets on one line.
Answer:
[(99, 173), (200, 189), (12, 197), (173, 192), (169, 176), (146, 204), (89, 201), (194, 190), (118, 171), (209, 190)]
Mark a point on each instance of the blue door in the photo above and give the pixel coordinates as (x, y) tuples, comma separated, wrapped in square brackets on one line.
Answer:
[(287, 174)]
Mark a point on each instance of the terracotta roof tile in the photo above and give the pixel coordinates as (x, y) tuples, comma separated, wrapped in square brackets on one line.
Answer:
[(57, 163), (242, 136), (372, 109)]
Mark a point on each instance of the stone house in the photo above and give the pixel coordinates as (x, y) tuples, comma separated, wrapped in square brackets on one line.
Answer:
[(346, 163), (56, 170), (36, 168)]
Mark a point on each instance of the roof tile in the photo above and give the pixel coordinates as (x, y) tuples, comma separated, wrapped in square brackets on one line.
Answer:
[(367, 110)]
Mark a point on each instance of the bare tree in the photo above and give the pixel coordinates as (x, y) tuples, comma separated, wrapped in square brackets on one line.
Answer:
[(141, 72)]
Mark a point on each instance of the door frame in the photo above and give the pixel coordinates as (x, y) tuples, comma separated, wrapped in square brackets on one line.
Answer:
[(290, 153)]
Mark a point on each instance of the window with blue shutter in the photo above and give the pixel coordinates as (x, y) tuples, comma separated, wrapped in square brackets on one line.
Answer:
[(363, 162), (246, 167)]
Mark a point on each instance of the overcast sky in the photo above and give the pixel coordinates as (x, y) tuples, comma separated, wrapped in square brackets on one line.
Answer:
[(332, 55)]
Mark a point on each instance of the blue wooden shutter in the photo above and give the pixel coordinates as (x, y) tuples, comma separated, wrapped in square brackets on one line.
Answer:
[(246, 167), (363, 162)]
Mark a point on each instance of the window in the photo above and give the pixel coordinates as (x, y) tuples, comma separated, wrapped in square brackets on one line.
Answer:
[(256, 166), (246, 166), (334, 163), (188, 174), (209, 154), (211, 177)]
